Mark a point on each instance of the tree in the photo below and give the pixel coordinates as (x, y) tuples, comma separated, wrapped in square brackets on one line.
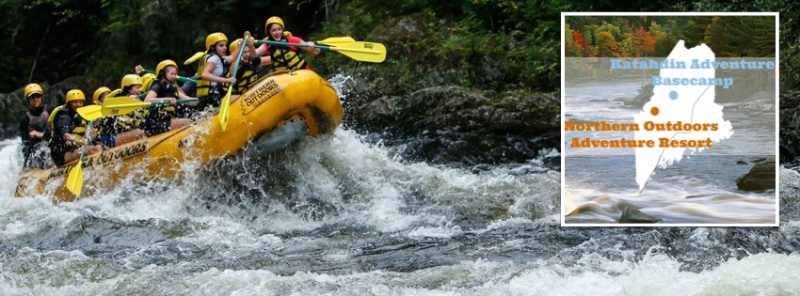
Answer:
[(629, 48), (644, 41), (582, 46), (715, 37), (665, 42), (606, 45)]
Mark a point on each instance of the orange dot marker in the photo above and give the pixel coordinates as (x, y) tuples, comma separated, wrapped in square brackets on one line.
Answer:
[(654, 111)]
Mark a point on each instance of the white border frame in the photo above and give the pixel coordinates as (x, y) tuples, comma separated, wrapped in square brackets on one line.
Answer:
[(777, 117)]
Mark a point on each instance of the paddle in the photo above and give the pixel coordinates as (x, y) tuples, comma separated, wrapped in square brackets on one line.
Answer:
[(91, 112), (75, 178), (226, 102), (336, 41), (358, 50), (180, 78), (119, 106)]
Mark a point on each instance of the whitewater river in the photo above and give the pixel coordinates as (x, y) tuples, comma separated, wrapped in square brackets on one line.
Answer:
[(336, 216), (700, 188)]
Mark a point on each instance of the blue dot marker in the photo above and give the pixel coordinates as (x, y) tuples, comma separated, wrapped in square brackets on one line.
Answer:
[(673, 95)]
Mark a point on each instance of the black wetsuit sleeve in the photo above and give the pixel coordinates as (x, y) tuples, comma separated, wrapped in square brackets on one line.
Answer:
[(23, 128), (156, 87), (62, 126), (26, 141)]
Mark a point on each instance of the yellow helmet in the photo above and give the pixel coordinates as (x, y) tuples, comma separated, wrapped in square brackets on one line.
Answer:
[(131, 79), (147, 76), (99, 92), (273, 20), (163, 64), (214, 38), (75, 95), (234, 45), (33, 88)]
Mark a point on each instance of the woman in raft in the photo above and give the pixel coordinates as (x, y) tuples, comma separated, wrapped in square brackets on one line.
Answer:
[(284, 57)]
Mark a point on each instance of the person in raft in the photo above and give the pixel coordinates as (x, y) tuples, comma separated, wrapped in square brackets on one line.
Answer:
[(247, 68), (33, 128), (213, 71), (161, 119), (69, 130), (124, 128), (282, 57)]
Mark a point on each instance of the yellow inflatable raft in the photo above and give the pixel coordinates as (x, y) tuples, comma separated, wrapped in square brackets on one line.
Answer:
[(299, 102)]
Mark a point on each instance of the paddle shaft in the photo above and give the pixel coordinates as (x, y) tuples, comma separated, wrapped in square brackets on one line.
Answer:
[(180, 78), (153, 103), (88, 137), (323, 47)]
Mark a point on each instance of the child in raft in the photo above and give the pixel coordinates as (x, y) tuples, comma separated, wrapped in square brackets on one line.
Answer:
[(284, 58), (161, 119)]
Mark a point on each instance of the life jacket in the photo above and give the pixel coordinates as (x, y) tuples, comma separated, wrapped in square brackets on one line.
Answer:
[(204, 85), (172, 91), (284, 57), (38, 123), (51, 118), (131, 121), (78, 131), (246, 79)]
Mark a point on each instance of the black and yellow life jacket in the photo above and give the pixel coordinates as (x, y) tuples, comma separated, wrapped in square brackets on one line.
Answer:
[(171, 91), (78, 131), (51, 118), (204, 85), (284, 57), (131, 121), (246, 79)]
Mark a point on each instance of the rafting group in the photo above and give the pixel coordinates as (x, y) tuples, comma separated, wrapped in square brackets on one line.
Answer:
[(60, 135)]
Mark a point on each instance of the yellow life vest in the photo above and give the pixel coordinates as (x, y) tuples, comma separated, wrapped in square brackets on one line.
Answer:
[(77, 132), (204, 85), (247, 79), (52, 118), (284, 58)]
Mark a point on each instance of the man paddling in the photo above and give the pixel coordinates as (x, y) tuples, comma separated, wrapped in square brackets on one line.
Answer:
[(69, 130)]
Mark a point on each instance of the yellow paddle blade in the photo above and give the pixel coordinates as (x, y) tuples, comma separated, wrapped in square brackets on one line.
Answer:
[(75, 179), (146, 85), (122, 105), (194, 58), (114, 93), (363, 51), (223, 110), (336, 41), (91, 112)]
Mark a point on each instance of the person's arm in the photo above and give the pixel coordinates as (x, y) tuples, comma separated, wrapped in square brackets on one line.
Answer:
[(309, 49), (262, 61), (262, 50), (207, 76), (63, 126), (152, 96), (23, 129), (184, 96), (234, 55)]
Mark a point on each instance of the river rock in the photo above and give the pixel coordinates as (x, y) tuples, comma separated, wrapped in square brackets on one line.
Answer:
[(741, 162), (760, 177), (636, 216), (453, 125)]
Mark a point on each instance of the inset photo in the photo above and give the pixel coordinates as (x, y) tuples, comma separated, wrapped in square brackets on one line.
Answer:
[(669, 119)]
